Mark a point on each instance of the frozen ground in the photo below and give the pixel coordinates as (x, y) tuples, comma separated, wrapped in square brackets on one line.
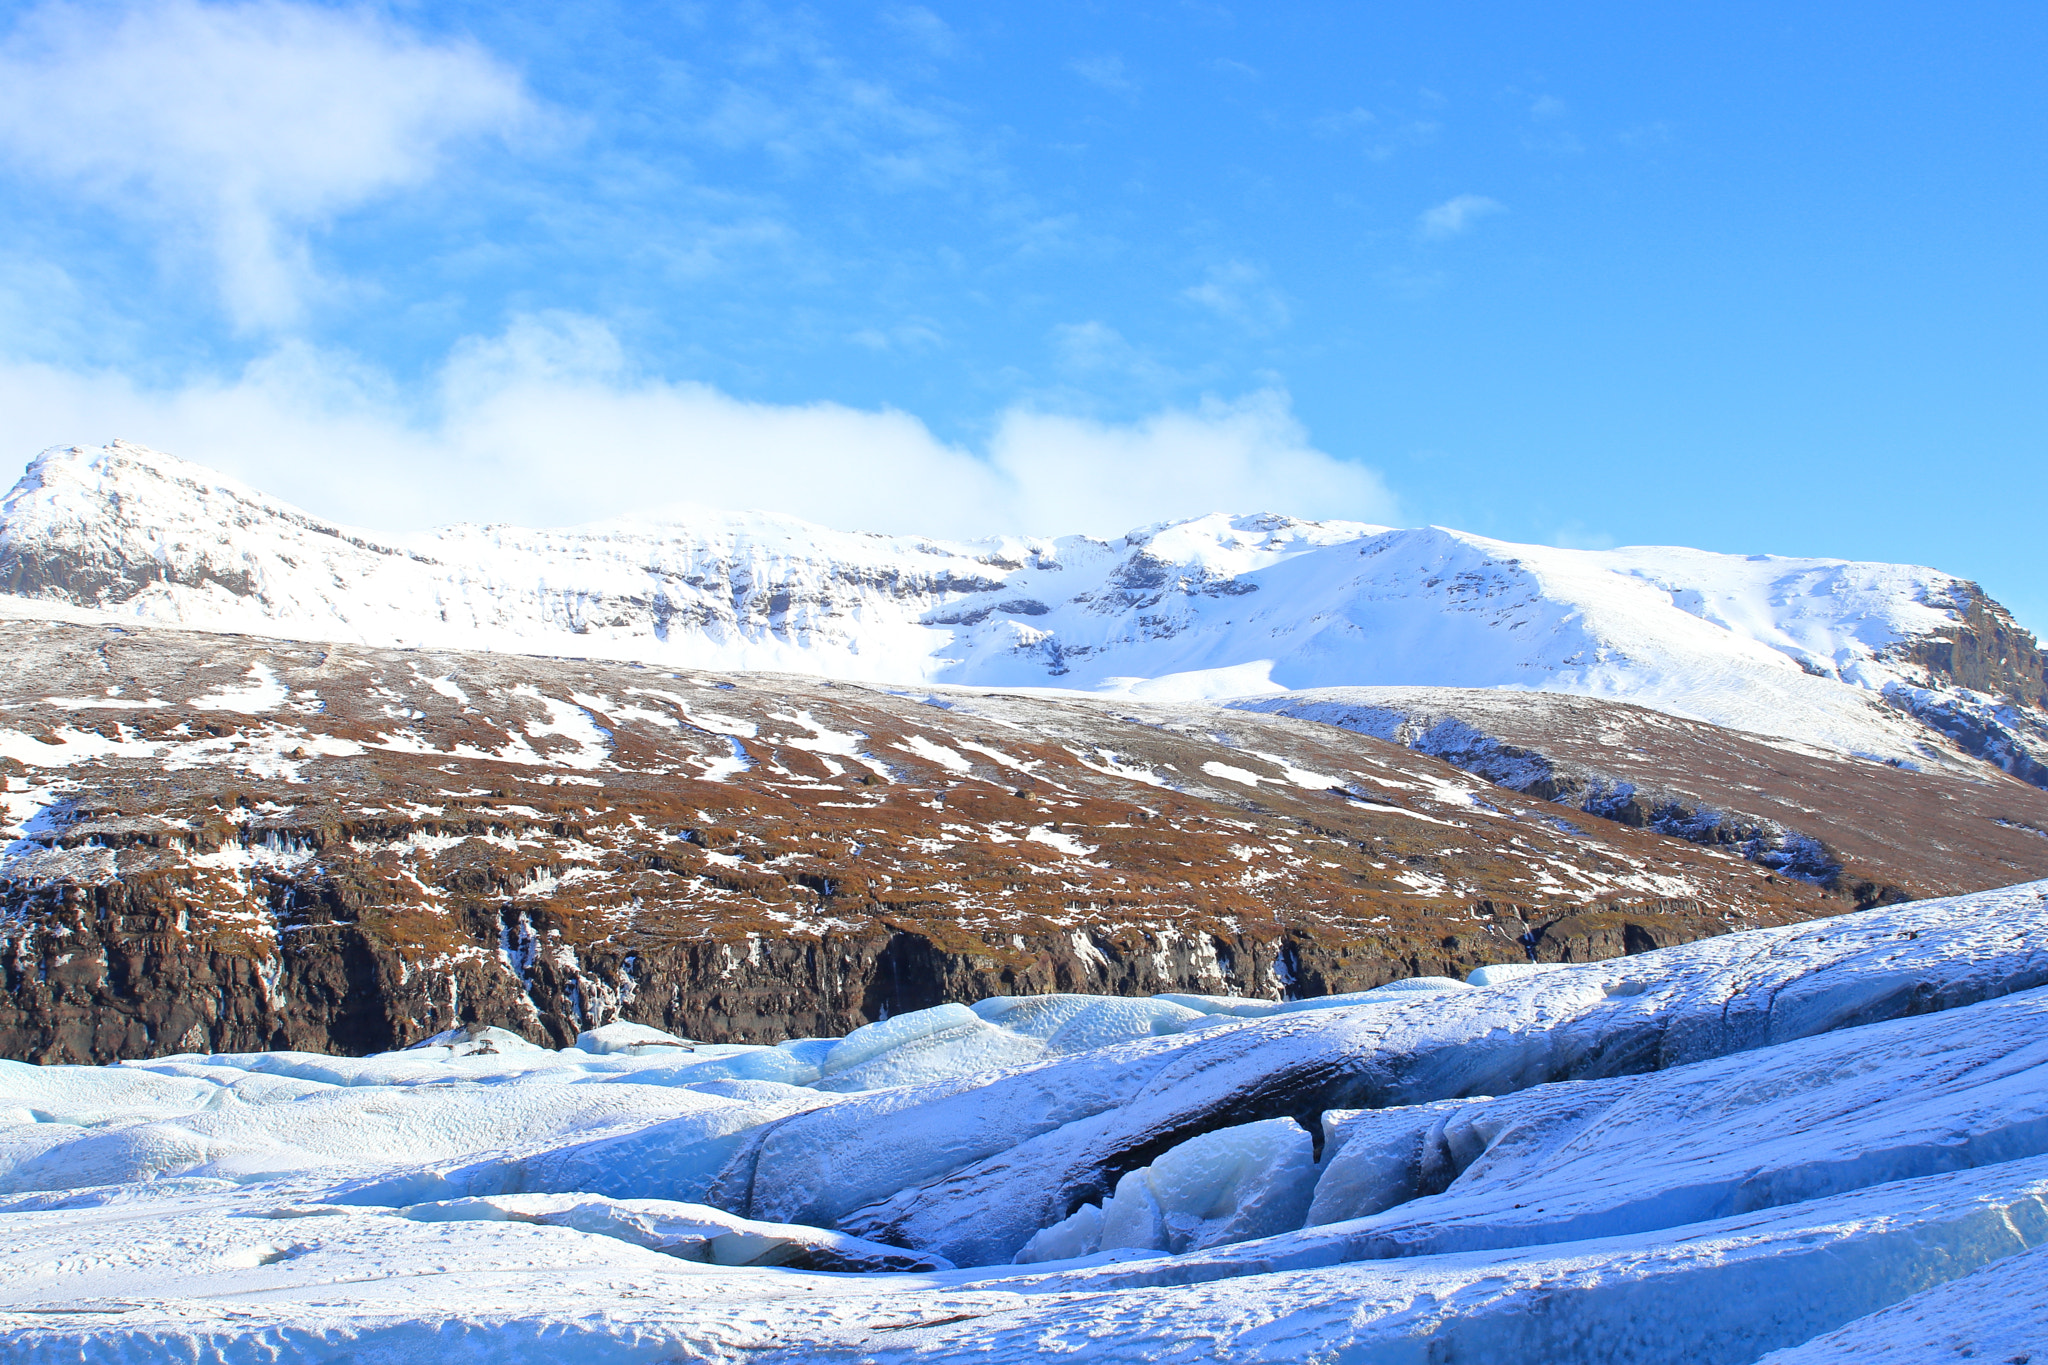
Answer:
[(1828, 1140)]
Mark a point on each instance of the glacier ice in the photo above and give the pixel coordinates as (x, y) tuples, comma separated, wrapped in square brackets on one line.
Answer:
[(1994, 1313), (474, 1040), (1077, 1023), (946, 1040), (1704, 1153), (1713, 1293), (1078, 1234), (1501, 973), (1232, 1185), (691, 1232), (977, 1170)]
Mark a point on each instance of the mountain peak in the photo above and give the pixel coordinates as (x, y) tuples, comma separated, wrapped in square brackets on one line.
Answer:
[(1830, 652)]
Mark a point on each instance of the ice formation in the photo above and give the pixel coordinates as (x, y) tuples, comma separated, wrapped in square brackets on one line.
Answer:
[(1828, 1141)]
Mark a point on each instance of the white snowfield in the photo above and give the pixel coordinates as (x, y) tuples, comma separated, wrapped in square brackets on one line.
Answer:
[(1828, 1140), (1219, 606)]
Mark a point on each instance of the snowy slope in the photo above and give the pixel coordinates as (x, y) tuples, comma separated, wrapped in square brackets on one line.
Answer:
[(1213, 607), (1800, 1139)]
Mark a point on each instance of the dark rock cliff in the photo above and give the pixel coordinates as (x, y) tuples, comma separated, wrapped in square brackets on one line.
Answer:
[(1985, 650)]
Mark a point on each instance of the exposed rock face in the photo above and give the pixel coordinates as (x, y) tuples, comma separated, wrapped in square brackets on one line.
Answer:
[(230, 844), (1981, 682), (1874, 832), (1985, 650)]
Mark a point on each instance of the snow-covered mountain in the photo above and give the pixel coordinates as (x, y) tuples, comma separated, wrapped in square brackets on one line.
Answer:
[(1854, 657)]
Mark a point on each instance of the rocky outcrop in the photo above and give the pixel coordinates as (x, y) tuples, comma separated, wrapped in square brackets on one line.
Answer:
[(2010, 737), (1985, 651), (1982, 684)]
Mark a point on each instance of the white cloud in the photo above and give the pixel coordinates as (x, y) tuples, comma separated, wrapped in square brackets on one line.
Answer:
[(1456, 215), (1102, 477), (1379, 137), (547, 424), (1343, 121), (242, 125), (909, 336), (1239, 293)]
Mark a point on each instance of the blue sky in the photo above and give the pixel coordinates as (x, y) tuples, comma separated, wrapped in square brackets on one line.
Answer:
[(1758, 278)]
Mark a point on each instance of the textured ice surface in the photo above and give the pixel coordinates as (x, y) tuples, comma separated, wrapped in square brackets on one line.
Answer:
[(974, 1171), (1232, 1185), (634, 1039), (693, 1232), (1700, 1155), (1996, 1314)]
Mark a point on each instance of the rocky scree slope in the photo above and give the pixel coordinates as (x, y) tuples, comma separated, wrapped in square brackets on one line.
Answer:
[(1902, 663), (225, 844)]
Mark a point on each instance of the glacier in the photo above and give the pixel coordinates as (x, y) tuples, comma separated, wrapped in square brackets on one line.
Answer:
[(1815, 651), (1827, 1141)]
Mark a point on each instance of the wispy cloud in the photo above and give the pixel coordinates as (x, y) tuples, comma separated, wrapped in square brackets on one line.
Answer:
[(816, 112), (910, 335), (1379, 136), (1456, 215), (1239, 292), (1093, 352), (919, 26), (1105, 71), (1645, 135), (1548, 131), (243, 126), (1340, 121)]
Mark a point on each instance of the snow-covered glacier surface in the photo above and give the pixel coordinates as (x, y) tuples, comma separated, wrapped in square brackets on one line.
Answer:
[(1828, 1141), (1213, 607)]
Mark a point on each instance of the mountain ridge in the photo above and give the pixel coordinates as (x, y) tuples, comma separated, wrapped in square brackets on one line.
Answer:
[(1901, 663)]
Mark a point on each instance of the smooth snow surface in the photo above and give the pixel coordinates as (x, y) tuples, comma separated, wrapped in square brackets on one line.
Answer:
[(1828, 1140), (1219, 606)]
